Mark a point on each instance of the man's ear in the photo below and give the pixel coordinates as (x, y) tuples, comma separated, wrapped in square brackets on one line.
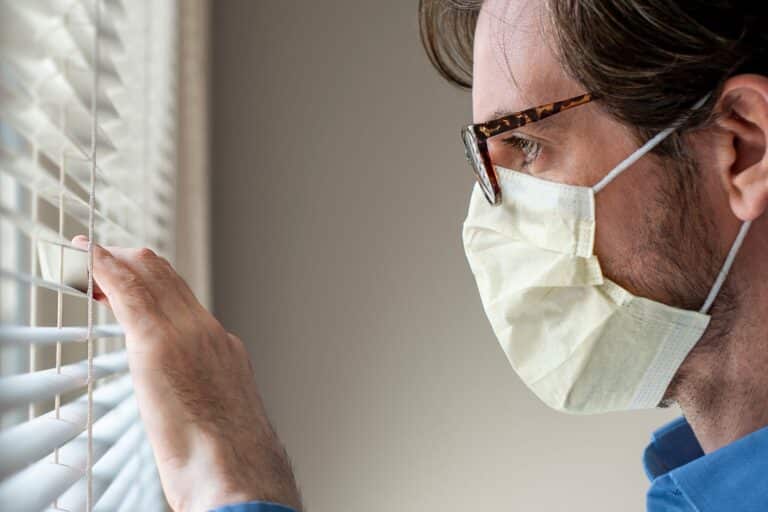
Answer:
[(742, 151)]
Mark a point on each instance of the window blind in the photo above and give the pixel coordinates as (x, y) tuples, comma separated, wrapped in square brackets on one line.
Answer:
[(87, 146)]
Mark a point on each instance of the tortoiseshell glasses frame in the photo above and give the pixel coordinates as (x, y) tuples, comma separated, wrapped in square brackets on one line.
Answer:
[(475, 138)]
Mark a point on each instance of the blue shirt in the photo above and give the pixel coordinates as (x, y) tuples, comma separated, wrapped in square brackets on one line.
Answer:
[(254, 506), (683, 479)]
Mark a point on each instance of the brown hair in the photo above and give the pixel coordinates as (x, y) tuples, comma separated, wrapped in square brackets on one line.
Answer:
[(649, 61)]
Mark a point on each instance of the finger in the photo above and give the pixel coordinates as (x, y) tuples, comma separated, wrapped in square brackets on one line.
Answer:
[(132, 304), (146, 261), (158, 277), (157, 272), (171, 295), (170, 292)]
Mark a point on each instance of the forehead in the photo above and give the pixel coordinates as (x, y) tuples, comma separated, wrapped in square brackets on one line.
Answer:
[(515, 65)]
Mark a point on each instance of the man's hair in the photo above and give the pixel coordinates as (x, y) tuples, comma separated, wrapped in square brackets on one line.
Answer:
[(649, 61)]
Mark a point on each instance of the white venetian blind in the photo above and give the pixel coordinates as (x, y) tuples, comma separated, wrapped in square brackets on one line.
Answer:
[(87, 146)]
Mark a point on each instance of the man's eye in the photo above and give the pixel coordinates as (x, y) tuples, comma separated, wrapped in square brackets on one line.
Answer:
[(529, 149), (513, 152)]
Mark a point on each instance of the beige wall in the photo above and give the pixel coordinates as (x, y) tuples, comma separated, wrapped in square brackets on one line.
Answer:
[(339, 188)]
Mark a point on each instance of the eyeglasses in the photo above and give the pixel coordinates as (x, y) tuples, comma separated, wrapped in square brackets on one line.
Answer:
[(484, 148)]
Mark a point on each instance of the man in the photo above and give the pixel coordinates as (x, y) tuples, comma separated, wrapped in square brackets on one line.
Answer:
[(612, 283)]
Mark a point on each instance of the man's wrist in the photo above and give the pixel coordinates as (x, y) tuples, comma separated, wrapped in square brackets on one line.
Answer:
[(249, 472), (208, 480)]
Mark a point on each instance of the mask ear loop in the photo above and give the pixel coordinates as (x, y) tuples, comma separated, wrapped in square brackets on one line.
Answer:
[(645, 148), (726, 266), (642, 151)]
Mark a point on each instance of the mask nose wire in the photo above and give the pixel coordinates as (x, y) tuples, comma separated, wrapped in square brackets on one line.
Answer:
[(645, 148)]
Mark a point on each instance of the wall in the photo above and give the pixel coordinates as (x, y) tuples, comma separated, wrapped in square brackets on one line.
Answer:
[(339, 188)]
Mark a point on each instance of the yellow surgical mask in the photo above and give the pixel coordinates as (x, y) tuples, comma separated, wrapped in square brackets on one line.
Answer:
[(580, 342)]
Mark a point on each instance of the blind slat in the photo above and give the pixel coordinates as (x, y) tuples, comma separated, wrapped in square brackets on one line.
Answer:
[(31, 228), (115, 494), (45, 480), (25, 34), (107, 479), (27, 173), (24, 335), (54, 128), (136, 497), (23, 277), (111, 185), (32, 387), (81, 12), (111, 193), (113, 462), (42, 484), (63, 84), (29, 442)]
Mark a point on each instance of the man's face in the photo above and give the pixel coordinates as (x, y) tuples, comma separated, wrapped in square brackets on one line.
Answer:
[(663, 228)]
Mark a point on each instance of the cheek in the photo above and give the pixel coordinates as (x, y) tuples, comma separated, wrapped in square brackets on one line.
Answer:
[(626, 207), (627, 211), (656, 234)]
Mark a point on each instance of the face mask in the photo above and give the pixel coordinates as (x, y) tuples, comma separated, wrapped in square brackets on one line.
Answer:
[(580, 342)]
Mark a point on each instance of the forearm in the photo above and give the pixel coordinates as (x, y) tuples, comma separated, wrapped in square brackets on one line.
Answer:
[(262, 472), (222, 471)]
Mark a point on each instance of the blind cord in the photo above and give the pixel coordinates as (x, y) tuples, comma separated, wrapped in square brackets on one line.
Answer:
[(59, 293), (33, 263), (33, 292), (91, 205)]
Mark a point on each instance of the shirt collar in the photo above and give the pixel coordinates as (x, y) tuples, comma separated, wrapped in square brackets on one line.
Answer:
[(721, 480), (671, 446)]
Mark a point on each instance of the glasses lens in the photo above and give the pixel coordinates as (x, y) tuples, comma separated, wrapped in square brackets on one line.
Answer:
[(472, 152), (510, 150)]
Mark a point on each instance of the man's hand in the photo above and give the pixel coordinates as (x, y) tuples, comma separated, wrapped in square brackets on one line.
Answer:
[(194, 385)]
